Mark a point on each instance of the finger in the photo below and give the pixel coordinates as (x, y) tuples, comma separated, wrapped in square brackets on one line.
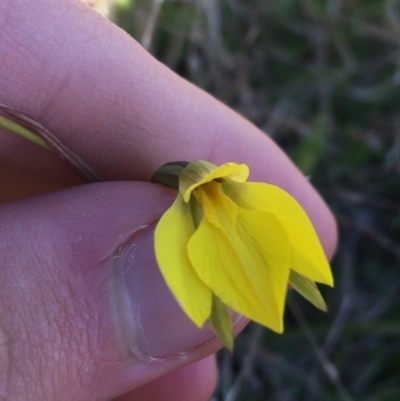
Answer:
[(122, 111), (196, 383), (84, 311)]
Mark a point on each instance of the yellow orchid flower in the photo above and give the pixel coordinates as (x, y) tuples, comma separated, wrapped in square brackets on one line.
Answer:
[(230, 243)]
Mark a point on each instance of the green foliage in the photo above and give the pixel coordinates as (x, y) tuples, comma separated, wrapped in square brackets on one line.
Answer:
[(124, 5), (311, 149)]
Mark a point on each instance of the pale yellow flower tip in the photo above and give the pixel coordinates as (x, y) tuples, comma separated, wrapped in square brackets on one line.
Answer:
[(230, 243)]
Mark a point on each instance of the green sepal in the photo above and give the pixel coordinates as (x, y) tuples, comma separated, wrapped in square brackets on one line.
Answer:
[(168, 174), (220, 322), (308, 289), (196, 211), (192, 174)]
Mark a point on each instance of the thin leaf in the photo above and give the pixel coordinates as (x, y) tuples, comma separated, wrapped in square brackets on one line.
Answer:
[(22, 131), (76, 163)]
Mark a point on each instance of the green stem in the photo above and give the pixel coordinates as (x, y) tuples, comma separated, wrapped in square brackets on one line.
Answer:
[(24, 132), (41, 136)]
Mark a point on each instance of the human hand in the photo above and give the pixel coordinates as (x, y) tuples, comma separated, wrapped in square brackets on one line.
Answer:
[(65, 332)]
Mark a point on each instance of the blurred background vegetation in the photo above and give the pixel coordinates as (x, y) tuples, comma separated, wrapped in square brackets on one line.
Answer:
[(322, 78)]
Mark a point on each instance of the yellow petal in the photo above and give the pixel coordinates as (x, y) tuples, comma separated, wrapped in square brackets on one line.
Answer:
[(217, 208), (200, 172), (171, 237), (308, 257), (246, 265)]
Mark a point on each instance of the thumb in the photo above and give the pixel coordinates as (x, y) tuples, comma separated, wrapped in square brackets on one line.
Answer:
[(84, 311)]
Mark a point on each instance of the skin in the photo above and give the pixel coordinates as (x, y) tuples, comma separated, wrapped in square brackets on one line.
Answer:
[(126, 114)]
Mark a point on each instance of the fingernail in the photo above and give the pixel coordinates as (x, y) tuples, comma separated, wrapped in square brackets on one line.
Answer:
[(150, 322)]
